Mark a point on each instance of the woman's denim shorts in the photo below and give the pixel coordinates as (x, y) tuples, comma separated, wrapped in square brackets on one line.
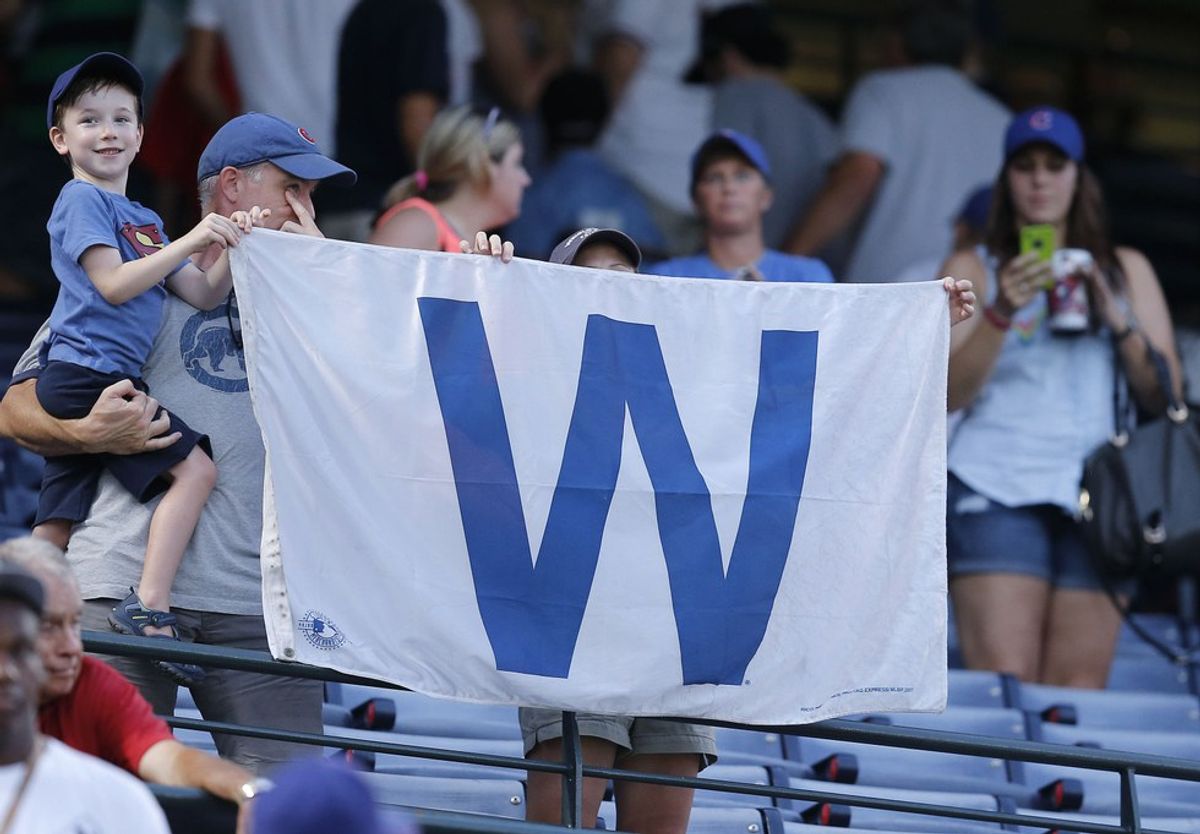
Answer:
[(983, 536)]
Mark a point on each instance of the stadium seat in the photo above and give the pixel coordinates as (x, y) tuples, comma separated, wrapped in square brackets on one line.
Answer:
[(717, 819), (1101, 791), (987, 721), (900, 768), (871, 818), (751, 747), (418, 714), (1184, 825), (494, 797), (1179, 745), (745, 774), (1116, 710), (412, 766), (333, 715), (392, 762), (976, 688), (793, 827), (1165, 627), (1149, 673)]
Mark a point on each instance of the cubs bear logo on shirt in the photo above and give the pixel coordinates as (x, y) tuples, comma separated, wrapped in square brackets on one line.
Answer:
[(145, 240)]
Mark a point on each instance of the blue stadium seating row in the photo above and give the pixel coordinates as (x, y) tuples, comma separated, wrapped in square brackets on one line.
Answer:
[(1164, 723)]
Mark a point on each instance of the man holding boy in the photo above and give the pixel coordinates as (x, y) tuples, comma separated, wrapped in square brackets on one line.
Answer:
[(196, 365)]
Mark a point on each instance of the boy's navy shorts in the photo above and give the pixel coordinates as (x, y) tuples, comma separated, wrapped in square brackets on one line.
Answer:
[(68, 392)]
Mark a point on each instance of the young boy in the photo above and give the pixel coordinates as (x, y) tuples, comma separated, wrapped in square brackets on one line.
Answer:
[(112, 259), (731, 189), (660, 747)]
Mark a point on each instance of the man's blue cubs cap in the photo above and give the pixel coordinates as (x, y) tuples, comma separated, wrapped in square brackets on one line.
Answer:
[(1048, 125), (106, 65), (256, 137), (740, 143)]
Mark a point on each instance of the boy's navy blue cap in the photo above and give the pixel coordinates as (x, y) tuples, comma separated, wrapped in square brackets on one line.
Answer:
[(569, 246), (738, 142), (1047, 125), (107, 65), (21, 586), (256, 137)]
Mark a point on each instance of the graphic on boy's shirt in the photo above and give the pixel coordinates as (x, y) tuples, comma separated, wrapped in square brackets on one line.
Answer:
[(145, 240)]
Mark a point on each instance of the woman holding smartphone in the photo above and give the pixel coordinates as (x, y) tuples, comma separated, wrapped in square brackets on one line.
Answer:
[(1036, 402)]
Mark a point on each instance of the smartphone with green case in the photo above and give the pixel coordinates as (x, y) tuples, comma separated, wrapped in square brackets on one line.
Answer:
[(1041, 240)]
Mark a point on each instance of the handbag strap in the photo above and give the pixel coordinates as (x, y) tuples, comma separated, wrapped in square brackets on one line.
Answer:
[(1162, 373), (1176, 655)]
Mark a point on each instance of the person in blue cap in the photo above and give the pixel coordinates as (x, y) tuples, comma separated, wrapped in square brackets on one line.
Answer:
[(114, 264), (1027, 599), (731, 190), (196, 364)]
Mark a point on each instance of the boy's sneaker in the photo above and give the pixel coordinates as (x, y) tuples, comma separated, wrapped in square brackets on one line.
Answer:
[(131, 617)]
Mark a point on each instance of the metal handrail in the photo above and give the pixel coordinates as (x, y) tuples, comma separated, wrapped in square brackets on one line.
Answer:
[(1127, 765)]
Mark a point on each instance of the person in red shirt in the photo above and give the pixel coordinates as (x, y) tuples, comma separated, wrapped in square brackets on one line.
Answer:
[(88, 705)]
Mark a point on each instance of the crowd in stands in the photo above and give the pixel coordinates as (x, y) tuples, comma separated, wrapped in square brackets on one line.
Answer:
[(660, 138)]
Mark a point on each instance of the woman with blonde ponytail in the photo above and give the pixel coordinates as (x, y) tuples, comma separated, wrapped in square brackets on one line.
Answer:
[(469, 176)]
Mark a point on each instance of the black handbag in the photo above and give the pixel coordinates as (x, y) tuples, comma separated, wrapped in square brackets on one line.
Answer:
[(1139, 499)]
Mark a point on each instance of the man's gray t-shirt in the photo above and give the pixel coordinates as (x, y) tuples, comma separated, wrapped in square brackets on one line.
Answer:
[(939, 137), (195, 370), (799, 139)]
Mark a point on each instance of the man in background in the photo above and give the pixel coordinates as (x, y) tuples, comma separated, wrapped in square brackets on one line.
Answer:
[(914, 141)]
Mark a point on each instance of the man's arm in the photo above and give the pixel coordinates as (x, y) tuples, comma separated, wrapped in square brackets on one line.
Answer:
[(414, 114), (121, 422), (169, 762), (200, 57), (616, 58), (843, 198), (520, 76)]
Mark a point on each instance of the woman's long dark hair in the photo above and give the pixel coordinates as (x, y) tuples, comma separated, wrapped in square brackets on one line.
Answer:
[(1087, 224)]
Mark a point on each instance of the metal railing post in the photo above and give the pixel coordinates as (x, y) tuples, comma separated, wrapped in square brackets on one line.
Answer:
[(572, 778), (1131, 817)]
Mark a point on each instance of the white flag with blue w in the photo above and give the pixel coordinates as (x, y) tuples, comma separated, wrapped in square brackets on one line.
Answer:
[(544, 485)]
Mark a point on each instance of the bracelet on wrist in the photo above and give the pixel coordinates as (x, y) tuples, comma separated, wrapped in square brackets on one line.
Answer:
[(1123, 334), (997, 319)]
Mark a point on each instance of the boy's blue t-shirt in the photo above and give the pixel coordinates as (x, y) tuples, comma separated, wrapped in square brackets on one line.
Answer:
[(773, 265), (85, 329)]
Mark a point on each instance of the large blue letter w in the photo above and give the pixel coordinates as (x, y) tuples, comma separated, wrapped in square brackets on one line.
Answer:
[(532, 614)]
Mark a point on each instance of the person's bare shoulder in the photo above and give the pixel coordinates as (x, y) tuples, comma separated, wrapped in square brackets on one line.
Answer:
[(410, 228)]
